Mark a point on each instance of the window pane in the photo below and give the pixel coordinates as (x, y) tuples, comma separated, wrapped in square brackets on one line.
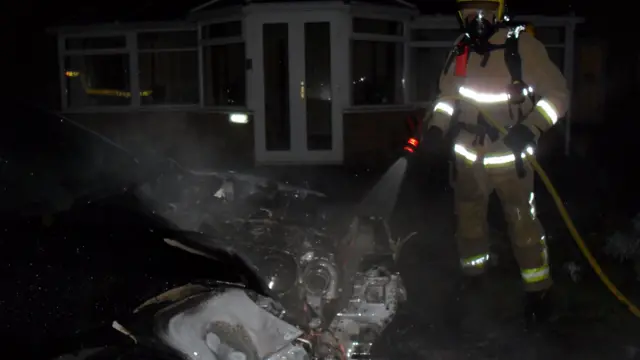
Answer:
[(276, 86), (95, 80), (169, 77), (375, 26), (427, 64), (224, 75), (435, 35), (222, 30), (96, 43), (377, 72), (318, 87), (168, 39), (550, 35)]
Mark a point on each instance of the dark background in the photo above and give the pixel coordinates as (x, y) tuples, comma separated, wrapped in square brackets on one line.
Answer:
[(29, 64), (29, 70)]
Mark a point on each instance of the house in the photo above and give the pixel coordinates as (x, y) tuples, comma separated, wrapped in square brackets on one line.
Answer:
[(288, 82)]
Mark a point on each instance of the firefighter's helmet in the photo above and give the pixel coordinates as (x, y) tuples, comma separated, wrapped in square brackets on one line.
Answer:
[(529, 28), (495, 6)]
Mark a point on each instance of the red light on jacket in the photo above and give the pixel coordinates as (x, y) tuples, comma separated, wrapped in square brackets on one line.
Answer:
[(412, 145), (461, 63)]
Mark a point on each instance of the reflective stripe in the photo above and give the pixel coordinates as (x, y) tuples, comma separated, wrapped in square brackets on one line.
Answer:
[(465, 153), (536, 274), (490, 98), (547, 110), (443, 107), (489, 160), (486, 98), (545, 250), (540, 273), (532, 206), (475, 261)]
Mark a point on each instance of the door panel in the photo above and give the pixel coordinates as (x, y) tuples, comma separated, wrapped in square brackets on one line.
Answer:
[(298, 70)]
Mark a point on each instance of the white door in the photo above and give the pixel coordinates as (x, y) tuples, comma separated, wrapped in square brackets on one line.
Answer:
[(298, 80)]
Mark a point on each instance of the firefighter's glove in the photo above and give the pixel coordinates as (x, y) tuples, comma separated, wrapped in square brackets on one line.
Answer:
[(518, 138), (432, 140)]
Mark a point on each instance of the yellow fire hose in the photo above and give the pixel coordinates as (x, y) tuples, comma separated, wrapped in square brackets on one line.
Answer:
[(563, 212)]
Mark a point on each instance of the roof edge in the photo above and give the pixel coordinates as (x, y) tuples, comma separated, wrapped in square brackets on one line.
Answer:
[(121, 27)]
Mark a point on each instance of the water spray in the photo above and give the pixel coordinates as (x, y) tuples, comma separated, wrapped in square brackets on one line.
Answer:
[(382, 198)]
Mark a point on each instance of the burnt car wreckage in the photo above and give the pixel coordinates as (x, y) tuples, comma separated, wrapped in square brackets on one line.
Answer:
[(192, 248)]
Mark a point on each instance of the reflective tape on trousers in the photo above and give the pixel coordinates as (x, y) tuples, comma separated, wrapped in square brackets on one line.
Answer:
[(491, 159)]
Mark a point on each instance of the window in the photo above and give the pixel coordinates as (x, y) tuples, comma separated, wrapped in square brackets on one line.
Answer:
[(376, 69), (318, 85), (378, 27), (277, 117), (168, 67), (96, 71), (97, 80), (377, 61), (224, 75), (166, 40), (427, 64), (449, 35), (169, 77), (96, 43), (224, 64), (550, 35), (556, 54), (222, 30)]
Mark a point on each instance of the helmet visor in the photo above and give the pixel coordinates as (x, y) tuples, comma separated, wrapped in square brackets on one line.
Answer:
[(471, 14)]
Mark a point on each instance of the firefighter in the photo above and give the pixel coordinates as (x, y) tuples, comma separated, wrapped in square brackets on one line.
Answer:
[(500, 67)]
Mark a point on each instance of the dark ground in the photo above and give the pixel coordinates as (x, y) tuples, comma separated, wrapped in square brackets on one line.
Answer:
[(439, 322)]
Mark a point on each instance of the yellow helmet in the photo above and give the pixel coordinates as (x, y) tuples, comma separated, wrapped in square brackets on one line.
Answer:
[(493, 5), (530, 29)]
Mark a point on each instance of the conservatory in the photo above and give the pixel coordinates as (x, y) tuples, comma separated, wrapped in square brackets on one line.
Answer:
[(298, 82)]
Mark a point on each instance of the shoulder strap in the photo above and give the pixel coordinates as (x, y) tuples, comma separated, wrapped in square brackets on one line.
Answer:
[(512, 56)]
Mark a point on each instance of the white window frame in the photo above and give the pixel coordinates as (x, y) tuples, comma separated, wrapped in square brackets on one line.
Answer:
[(130, 33)]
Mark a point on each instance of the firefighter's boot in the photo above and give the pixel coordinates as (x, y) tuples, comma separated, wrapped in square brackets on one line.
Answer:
[(474, 304), (538, 308)]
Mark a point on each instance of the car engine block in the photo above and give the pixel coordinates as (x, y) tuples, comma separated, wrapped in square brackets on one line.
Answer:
[(373, 304)]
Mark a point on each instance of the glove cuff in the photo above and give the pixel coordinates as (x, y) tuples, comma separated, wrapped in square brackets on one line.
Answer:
[(440, 121)]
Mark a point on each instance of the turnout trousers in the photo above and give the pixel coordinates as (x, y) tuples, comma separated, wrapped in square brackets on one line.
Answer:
[(473, 183)]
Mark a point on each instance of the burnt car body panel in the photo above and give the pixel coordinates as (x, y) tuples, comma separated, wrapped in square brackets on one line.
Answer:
[(91, 231), (80, 245)]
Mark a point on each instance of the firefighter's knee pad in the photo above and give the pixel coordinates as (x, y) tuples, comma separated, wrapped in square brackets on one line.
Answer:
[(526, 233)]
